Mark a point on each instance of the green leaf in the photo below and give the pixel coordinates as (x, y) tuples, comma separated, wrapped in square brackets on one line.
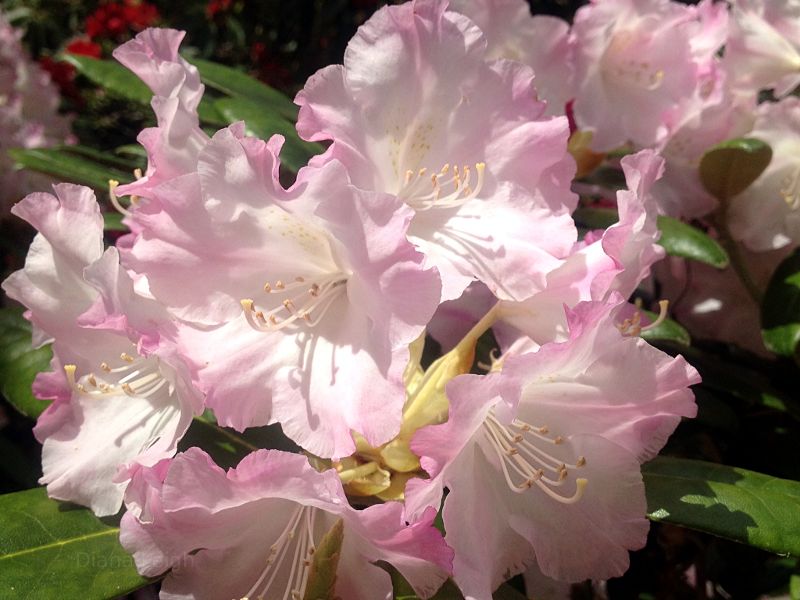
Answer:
[(50, 549), (112, 76), (666, 330), (742, 381), (20, 362), (105, 158), (322, 573), (240, 85), (681, 239), (730, 167), (780, 309), (729, 502), (263, 123), (794, 587), (64, 166)]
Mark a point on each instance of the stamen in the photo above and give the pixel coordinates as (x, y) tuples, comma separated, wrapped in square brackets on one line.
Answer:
[(113, 184)]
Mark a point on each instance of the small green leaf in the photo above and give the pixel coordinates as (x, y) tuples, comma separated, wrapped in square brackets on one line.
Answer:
[(263, 123), (64, 166), (729, 502), (50, 549), (20, 362), (240, 85), (666, 330), (780, 309), (730, 167), (322, 573), (681, 239)]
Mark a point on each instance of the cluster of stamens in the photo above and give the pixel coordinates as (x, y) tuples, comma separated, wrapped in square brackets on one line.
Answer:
[(307, 302), (450, 186), (302, 553), (526, 465), (139, 377)]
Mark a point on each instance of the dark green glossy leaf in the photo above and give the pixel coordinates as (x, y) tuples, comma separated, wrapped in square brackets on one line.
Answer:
[(111, 75), (263, 123), (729, 502), (666, 330), (104, 158), (50, 549), (20, 362), (780, 308), (240, 85), (730, 167), (741, 381), (322, 573), (681, 239), (65, 166)]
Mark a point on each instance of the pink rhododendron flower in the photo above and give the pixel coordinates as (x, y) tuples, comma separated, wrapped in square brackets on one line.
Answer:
[(173, 146), (638, 64), (680, 192), (542, 458), (121, 391), (417, 111), (332, 291), (29, 116), (251, 532), (541, 42), (766, 216), (763, 48), (614, 260)]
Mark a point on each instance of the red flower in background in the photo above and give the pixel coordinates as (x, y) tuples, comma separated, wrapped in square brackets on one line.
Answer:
[(63, 75), (113, 20), (216, 7), (84, 47)]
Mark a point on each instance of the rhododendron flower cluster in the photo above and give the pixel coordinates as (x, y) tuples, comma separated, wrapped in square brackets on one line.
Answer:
[(28, 114), (443, 206)]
